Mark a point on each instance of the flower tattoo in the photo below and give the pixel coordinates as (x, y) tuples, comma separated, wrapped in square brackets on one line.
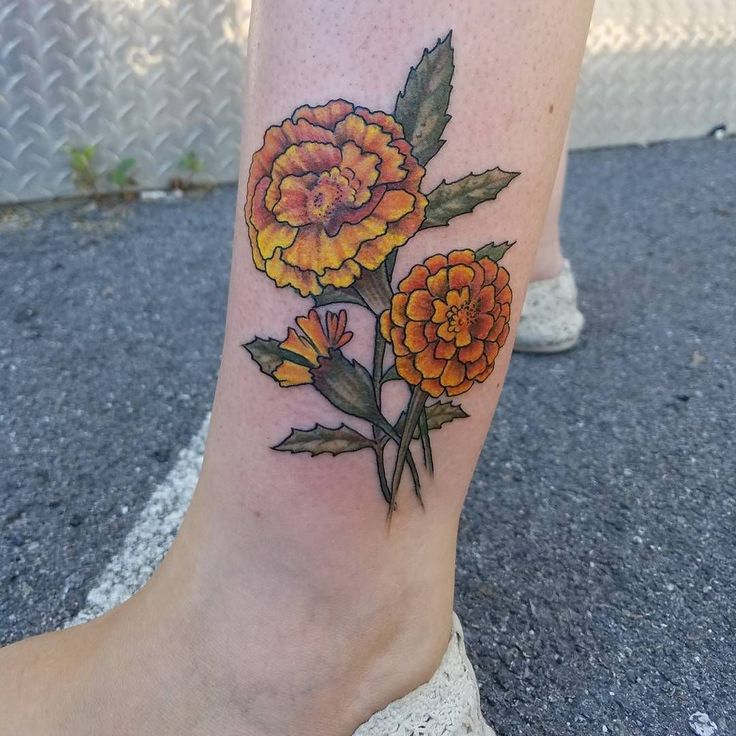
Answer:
[(447, 322), (333, 191), (332, 194), (314, 343)]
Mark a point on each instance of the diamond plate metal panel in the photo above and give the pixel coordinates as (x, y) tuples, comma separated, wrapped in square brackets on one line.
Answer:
[(153, 79), (656, 70)]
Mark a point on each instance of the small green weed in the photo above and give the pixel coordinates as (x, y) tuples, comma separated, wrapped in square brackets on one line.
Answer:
[(190, 168), (191, 164), (81, 162), (122, 175)]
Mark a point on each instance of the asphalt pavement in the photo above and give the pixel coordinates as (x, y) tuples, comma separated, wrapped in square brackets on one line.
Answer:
[(596, 574)]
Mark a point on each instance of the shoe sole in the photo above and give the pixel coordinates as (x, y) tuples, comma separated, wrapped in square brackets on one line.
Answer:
[(549, 348)]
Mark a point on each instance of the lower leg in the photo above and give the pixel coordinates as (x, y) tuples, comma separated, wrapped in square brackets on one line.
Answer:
[(550, 260), (551, 321), (287, 603)]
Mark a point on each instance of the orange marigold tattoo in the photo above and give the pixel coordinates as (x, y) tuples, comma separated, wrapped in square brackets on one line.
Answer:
[(448, 321)]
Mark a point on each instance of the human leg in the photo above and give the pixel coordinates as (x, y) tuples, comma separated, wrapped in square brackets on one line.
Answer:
[(287, 601), (549, 261), (551, 321)]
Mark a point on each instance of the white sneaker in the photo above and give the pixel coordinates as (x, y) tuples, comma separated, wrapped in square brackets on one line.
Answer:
[(447, 705), (550, 319)]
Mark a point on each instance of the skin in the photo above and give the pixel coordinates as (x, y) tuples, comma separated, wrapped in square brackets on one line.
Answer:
[(286, 604), (549, 260)]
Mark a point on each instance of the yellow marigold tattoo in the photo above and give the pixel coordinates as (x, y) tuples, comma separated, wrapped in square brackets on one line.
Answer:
[(333, 191)]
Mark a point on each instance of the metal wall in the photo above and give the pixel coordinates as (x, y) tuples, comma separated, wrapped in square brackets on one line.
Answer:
[(154, 79), (656, 70), (151, 79)]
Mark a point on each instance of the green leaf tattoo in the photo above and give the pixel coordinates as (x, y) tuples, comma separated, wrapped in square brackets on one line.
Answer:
[(269, 355), (448, 200), (422, 107), (320, 440), (494, 251), (331, 295), (442, 412)]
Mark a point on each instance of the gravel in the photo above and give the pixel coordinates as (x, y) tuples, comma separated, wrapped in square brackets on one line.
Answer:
[(596, 573)]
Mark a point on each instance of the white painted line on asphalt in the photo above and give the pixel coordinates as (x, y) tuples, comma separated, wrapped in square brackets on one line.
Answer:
[(147, 542)]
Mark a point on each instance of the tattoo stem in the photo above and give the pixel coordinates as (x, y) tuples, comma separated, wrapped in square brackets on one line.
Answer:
[(426, 442), (379, 351), (381, 468), (413, 411)]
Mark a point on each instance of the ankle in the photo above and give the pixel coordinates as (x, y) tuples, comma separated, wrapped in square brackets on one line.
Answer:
[(288, 655), (549, 260), (548, 265)]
